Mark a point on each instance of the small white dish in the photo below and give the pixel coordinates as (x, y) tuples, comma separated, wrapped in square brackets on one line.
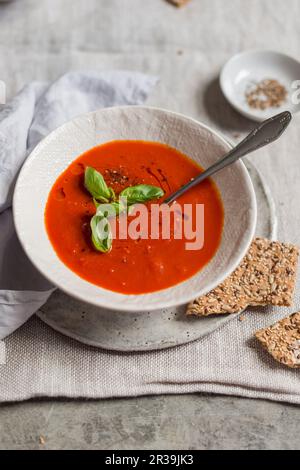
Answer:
[(250, 67), (54, 154)]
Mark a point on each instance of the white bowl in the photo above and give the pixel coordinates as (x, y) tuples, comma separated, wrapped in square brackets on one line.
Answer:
[(254, 66), (53, 155)]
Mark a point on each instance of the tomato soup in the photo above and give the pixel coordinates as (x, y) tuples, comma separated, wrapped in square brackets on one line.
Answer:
[(132, 266)]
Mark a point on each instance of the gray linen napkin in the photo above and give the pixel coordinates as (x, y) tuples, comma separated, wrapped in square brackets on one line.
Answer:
[(37, 110)]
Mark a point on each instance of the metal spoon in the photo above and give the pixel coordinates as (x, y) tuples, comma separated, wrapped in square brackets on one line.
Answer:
[(267, 132)]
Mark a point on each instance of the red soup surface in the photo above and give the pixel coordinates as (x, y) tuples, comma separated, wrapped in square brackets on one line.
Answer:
[(132, 266)]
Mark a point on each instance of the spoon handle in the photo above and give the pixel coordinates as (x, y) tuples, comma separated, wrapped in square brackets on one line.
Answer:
[(267, 132)]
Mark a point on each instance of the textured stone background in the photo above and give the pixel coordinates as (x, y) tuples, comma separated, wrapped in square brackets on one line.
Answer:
[(41, 39)]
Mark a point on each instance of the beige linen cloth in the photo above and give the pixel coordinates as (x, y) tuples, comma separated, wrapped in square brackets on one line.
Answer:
[(41, 362)]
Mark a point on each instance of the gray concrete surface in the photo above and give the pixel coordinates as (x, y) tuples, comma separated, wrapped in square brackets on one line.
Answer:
[(41, 39), (174, 422)]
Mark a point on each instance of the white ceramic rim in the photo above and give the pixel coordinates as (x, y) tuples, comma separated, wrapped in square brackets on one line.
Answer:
[(240, 109), (126, 307)]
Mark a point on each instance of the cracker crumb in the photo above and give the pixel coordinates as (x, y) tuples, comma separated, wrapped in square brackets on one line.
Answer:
[(179, 3), (242, 318), (282, 340), (266, 276), (236, 135), (42, 440)]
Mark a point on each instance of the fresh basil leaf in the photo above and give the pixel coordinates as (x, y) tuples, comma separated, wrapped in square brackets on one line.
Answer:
[(101, 233), (112, 194), (96, 203), (110, 210), (141, 193), (96, 186)]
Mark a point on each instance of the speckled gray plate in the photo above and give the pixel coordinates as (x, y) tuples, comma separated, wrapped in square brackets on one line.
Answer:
[(121, 331)]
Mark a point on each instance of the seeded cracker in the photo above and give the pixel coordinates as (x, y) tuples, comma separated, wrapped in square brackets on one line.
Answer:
[(266, 276), (282, 340)]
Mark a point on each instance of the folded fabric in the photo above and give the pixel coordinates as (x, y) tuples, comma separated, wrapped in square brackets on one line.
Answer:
[(37, 110)]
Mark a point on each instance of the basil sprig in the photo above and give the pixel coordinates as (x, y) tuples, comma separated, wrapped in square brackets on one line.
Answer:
[(141, 193), (107, 206), (113, 209)]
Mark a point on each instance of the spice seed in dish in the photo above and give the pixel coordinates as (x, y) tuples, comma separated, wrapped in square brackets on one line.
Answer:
[(268, 93), (266, 276)]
